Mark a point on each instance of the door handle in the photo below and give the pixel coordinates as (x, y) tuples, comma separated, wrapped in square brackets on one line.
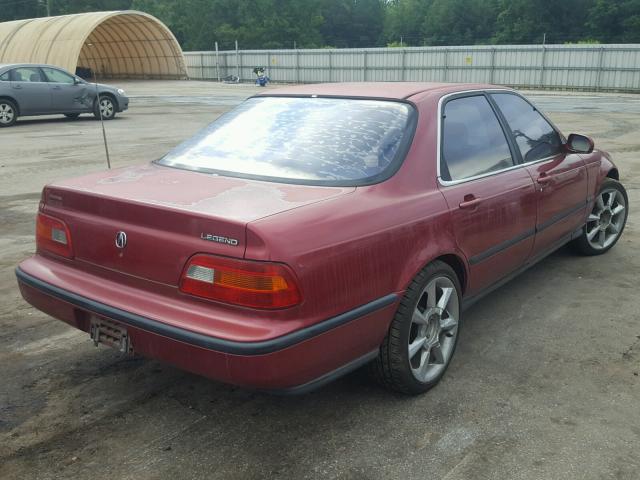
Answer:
[(544, 179), (470, 201), (56, 87), (17, 87)]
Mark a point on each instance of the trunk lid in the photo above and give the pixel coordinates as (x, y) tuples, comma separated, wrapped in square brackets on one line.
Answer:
[(167, 215)]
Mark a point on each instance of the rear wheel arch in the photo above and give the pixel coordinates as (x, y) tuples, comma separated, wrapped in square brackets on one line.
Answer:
[(12, 100), (454, 260), (458, 266)]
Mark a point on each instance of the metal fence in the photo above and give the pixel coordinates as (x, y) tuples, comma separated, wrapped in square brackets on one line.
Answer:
[(580, 67)]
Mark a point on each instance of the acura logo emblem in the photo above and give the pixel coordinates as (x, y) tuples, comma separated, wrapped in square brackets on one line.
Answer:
[(121, 239)]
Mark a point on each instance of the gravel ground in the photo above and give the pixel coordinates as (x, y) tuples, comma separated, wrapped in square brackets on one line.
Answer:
[(545, 383)]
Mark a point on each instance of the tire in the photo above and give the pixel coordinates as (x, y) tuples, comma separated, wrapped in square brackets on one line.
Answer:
[(72, 115), (108, 104), (404, 364), (8, 113), (606, 221)]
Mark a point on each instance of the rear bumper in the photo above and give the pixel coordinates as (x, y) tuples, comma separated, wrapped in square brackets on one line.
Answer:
[(292, 363)]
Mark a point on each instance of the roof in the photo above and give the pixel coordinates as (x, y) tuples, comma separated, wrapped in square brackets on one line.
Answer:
[(13, 65), (117, 44), (395, 90)]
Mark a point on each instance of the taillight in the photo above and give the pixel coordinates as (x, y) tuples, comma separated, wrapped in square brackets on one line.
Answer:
[(240, 282), (52, 235)]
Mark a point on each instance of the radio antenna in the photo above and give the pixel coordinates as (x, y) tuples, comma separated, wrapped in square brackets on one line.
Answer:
[(104, 133)]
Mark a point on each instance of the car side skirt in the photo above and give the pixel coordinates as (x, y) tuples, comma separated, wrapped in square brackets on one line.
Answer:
[(469, 301), (529, 233)]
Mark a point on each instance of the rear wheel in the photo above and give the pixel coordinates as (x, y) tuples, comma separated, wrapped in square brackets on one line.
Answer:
[(105, 108), (423, 334), (8, 113), (72, 115), (606, 220)]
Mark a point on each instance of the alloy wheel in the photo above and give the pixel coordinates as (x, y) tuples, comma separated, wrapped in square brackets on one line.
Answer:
[(434, 328), (6, 113), (106, 108), (606, 219)]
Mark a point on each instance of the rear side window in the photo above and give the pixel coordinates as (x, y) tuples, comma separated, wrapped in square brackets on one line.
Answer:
[(535, 137), (26, 74), (319, 141), (473, 142), (4, 77)]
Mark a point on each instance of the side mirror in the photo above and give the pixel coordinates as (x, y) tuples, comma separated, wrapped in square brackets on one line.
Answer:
[(77, 81), (579, 144)]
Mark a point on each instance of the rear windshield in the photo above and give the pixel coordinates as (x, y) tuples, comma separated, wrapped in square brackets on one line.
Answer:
[(320, 141)]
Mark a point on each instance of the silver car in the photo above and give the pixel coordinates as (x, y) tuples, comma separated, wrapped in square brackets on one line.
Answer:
[(28, 89)]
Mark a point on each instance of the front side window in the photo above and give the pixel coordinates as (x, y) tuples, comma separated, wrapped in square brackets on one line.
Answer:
[(26, 74), (57, 76), (535, 137), (320, 141), (473, 142)]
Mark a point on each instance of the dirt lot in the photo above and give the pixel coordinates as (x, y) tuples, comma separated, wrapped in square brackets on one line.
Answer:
[(545, 383)]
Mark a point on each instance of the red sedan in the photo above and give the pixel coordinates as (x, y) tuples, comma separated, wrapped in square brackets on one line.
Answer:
[(320, 228)]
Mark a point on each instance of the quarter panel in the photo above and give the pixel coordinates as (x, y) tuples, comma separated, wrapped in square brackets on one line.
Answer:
[(349, 251)]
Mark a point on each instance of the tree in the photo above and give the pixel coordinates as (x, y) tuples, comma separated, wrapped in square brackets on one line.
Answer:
[(460, 22), (615, 22), (527, 21), (404, 20), (352, 23), (270, 24)]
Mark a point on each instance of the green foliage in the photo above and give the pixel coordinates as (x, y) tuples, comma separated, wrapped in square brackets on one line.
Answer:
[(615, 22), (270, 24), (463, 22)]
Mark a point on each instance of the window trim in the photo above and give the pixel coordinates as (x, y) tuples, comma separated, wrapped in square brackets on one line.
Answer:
[(35, 67), (394, 166), (503, 124), (563, 139), (48, 80)]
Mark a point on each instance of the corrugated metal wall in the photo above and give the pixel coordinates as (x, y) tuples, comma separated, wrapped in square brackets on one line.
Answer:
[(584, 67)]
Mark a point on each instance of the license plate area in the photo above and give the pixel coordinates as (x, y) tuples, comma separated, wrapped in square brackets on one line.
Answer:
[(111, 334)]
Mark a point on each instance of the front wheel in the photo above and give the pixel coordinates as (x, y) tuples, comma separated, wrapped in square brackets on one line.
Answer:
[(606, 220), (105, 108), (423, 334)]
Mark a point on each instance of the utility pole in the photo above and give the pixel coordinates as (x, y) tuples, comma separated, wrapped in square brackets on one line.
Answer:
[(401, 45), (237, 61), (218, 62), (544, 38)]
